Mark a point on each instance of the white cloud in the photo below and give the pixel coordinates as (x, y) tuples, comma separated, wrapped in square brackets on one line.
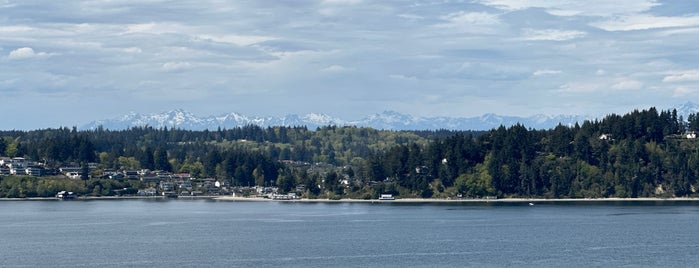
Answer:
[(335, 69), (688, 75), (683, 91), (132, 50), (602, 8), (489, 52), (335, 7), (240, 40), (157, 28), (551, 35), (580, 87), (176, 66), (645, 22), (462, 18), (341, 2), (681, 31), (15, 29), (411, 17), (627, 84), (517, 4), (24, 53), (402, 77), (546, 72)]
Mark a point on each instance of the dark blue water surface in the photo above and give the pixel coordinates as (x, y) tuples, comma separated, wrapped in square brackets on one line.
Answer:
[(205, 233)]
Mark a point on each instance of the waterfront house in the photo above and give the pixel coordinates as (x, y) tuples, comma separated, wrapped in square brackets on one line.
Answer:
[(147, 192), (130, 174), (35, 171), (66, 170), (64, 195), (186, 185), (386, 197), (154, 179), (182, 176), (167, 186), (117, 176)]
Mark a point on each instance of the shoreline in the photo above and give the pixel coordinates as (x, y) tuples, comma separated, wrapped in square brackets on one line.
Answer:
[(430, 200), (397, 200)]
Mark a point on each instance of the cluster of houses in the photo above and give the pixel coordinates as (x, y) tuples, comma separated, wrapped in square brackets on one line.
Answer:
[(174, 184), (21, 166), (26, 166), (690, 135)]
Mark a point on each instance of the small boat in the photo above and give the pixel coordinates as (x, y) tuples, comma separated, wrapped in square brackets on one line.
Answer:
[(531, 204)]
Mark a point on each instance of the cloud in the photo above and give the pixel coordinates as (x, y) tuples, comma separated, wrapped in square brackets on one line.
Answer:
[(341, 2), (567, 8), (645, 22), (411, 17), (683, 91), (517, 4), (402, 77), (580, 87), (240, 40), (25, 53), (551, 35), (155, 28), (683, 76), (681, 31), (335, 69), (546, 72), (461, 18), (334, 7), (176, 66), (627, 84), (501, 51), (132, 50)]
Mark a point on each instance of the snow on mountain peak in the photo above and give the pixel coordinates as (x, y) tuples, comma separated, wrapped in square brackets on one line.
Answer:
[(687, 108), (322, 119), (390, 120)]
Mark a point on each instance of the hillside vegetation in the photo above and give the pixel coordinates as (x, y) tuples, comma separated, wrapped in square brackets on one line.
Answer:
[(640, 154)]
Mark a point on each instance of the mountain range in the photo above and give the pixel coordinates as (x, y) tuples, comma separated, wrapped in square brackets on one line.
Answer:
[(387, 120)]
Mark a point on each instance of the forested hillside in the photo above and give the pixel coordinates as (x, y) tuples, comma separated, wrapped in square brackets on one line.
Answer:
[(640, 154)]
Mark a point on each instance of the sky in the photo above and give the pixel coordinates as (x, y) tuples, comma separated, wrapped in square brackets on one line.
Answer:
[(66, 63)]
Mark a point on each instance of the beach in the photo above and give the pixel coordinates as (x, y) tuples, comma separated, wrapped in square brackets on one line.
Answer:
[(459, 200), (347, 200)]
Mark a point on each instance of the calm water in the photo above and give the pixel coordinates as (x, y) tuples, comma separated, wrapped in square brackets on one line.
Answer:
[(199, 233)]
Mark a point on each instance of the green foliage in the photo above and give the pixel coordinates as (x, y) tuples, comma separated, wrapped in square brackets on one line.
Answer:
[(642, 153), (25, 186), (476, 184)]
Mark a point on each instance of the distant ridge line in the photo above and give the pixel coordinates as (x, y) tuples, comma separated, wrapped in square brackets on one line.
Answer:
[(387, 120)]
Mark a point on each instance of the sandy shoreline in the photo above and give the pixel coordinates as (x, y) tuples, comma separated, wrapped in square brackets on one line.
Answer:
[(433, 200), (397, 200)]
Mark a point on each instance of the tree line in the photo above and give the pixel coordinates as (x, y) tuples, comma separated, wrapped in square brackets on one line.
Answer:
[(640, 154)]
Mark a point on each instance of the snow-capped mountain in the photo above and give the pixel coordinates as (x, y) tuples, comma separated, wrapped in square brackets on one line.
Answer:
[(388, 120), (686, 109)]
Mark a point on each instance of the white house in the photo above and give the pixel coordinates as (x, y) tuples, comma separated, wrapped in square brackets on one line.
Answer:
[(33, 171)]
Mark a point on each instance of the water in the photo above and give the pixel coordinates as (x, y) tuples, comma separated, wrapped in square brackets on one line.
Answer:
[(205, 233)]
